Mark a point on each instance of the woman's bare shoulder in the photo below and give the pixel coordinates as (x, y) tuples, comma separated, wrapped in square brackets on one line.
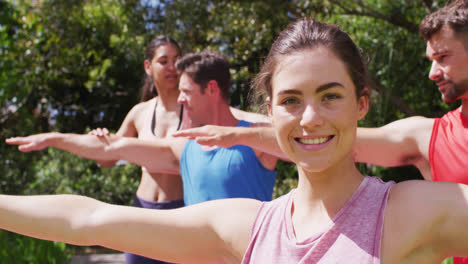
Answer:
[(416, 216), (144, 105)]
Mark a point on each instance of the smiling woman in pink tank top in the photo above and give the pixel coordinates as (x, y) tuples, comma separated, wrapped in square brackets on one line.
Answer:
[(315, 81)]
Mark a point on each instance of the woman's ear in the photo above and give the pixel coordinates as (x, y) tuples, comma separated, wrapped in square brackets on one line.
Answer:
[(363, 103), (147, 65)]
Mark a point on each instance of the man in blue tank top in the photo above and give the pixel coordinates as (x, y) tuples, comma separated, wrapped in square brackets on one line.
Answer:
[(208, 173)]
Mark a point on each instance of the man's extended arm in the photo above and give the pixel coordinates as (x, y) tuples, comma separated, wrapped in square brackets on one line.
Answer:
[(156, 155), (402, 142), (257, 136)]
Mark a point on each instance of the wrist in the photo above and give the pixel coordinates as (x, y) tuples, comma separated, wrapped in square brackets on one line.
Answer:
[(53, 139), (117, 147)]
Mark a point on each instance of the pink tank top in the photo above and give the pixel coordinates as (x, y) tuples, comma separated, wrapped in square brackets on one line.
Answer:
[(353, 237)]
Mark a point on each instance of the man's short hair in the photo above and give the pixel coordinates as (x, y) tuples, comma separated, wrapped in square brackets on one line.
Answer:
[(454, 15), (205, 66)]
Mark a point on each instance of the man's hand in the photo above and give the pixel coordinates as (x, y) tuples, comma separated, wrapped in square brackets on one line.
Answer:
[(210, 135)]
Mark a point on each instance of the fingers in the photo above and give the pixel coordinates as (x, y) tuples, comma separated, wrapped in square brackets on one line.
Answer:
[(28, 147), (190, 133), (100, 132), (206, 141), (16, 141), (24, 145)]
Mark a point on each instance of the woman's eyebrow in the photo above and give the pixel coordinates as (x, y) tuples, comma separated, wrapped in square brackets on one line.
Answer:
[(321, 88), (326, 86), (290, 91)]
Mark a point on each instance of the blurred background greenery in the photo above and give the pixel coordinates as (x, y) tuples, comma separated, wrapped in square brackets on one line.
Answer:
[(74, 65)]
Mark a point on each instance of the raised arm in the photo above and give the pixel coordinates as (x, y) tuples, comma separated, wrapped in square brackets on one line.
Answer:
[(403, 142), (161, 155), (215, 232)]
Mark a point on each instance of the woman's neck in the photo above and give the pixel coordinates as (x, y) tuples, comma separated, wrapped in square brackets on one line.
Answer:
[(329, 189), (320, 196), (168, 98)]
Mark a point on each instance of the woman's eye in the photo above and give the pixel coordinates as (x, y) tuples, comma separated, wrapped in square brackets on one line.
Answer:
[(329, 97), (289, 101)]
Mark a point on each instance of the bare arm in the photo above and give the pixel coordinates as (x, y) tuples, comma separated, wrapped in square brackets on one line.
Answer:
[(403, 142), (156, 155), (214, 232), (127, 129), (260, 137), (425, 222), (249, 116)]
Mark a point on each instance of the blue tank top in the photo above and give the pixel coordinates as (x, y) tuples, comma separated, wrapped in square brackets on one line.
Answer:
[(220, 173)]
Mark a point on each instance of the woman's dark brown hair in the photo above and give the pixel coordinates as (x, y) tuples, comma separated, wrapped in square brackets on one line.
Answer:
[(305, 34), (148, 90)]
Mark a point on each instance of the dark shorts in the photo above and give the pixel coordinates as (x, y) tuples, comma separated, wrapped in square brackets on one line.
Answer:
[(138, 202)]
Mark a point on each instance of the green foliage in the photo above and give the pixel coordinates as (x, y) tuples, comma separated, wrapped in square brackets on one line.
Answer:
[(25, 250), (243, 30), (66, 66), (286, 178), (448, 261), (62, 172)]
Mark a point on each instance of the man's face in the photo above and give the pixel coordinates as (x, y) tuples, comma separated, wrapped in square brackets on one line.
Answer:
[(195, 103), (449, 64)]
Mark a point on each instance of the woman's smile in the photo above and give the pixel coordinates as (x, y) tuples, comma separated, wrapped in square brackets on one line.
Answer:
[(314, 143)]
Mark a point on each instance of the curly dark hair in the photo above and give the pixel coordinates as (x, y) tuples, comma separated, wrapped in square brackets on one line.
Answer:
[(455, 15)]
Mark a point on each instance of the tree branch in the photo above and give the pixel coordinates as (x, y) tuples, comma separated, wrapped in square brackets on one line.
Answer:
[(427, 5), (395, 19)]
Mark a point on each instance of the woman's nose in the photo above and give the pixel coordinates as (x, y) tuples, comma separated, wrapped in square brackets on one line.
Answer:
[(311, 117)]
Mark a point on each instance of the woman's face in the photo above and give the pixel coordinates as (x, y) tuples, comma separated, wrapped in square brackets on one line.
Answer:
[(314, 109), (162, 67)]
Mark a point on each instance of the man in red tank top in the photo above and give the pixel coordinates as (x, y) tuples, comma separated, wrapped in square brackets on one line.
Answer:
[(437, 147)]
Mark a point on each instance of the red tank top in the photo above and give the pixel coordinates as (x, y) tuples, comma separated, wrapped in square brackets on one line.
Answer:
[(448, 148), (448, 152)]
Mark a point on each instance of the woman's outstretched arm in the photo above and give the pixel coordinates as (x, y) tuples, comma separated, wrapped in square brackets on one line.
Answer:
[(213, 232)]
